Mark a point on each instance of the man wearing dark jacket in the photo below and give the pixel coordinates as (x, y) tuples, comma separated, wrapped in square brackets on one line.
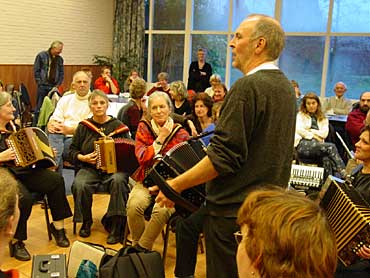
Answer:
[(357, 117), (48, 70), (252, 144)]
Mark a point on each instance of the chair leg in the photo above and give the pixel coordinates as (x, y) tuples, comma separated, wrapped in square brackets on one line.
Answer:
[(45, 202), (74, 227), (201, 247), (125, 241), (166, 236)]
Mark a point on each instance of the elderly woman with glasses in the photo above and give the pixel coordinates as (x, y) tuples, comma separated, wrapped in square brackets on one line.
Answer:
[(154, 138), (284, 234)]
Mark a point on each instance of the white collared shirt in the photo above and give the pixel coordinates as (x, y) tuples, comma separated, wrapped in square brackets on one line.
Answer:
[(264, 66)]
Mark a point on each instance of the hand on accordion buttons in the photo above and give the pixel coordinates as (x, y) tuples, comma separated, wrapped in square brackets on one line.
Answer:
[(364, 252), (163, 201), (7, 155), (89, 158)]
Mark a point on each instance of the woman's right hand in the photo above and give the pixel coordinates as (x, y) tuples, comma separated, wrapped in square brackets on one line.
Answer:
[(7, 155), (88, 158)]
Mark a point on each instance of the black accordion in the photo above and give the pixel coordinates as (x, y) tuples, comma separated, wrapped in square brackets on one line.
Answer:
[(349, 217), (31, 147), (178, 160)]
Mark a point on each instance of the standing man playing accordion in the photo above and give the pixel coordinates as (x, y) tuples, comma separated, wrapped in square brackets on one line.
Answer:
[(361, 181), (30, 180), (88, 178)]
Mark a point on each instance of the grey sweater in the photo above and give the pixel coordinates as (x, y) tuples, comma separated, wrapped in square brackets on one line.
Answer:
[(253, 142)]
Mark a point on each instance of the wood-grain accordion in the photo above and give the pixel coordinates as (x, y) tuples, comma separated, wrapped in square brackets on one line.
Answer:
[(349, 217), (178, 160), (116, 155), (31, 147)]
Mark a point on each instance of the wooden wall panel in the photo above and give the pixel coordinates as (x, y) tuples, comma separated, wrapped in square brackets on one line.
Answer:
[(17, 74)]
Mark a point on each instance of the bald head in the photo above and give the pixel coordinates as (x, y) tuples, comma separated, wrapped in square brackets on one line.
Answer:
[(365, 102), (340, 88), (269, 28)]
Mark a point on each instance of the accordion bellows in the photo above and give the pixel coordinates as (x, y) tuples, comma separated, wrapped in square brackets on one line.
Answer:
[(116, 155), (31, 147), (349, 217)]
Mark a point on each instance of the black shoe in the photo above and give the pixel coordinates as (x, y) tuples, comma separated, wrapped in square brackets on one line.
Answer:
[(141, 249), (85, 230), (115, 235), (18, 250), (60, 236)]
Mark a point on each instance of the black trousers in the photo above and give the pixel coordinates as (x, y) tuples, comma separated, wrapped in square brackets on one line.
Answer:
[(221, 246), (45, 182), (187, 237)]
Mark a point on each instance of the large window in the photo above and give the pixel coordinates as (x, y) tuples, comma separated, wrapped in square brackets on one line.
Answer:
[(327, 40)]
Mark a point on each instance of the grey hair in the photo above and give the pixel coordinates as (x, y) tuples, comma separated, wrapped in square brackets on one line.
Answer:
[(342, 83), (162, 95), (270, 29), (55, 44), (5, 97), (97, 93), (80, 72)]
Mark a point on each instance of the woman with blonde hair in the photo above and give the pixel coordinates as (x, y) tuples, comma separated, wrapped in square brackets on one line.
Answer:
[(284, 235), (312, 128), (179, 96)]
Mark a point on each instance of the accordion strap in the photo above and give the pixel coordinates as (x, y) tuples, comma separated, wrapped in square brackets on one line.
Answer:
[(122, 128), (175, 129)]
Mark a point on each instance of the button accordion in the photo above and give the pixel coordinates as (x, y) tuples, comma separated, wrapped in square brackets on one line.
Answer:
[(306, 177), (349, 217), (31, 147), (116, 155), (178, 160)]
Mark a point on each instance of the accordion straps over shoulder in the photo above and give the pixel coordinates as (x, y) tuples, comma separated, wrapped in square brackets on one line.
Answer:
[(176, 128), (122, 128), (93, 127)]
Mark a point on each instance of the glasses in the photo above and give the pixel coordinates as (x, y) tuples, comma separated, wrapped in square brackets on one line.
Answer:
[(238, 237)]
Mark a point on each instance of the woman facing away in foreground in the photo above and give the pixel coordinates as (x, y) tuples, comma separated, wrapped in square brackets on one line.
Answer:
[(284, 234), (9, 215)]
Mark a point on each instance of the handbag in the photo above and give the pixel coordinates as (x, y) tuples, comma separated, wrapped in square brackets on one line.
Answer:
[(131, 263), (94, 253)]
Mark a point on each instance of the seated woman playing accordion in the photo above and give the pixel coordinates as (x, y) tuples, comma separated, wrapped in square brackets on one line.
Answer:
[(88, 178), (312, 128), (361, 181), (30, 179), (153, 138)]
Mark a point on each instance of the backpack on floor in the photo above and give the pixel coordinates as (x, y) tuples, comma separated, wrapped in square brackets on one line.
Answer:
[(132, 263)]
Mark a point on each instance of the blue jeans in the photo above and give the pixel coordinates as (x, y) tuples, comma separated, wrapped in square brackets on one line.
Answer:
[(61, 143), (42, 91)]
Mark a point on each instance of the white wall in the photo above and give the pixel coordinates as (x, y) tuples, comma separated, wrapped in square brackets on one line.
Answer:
[(27, 27)]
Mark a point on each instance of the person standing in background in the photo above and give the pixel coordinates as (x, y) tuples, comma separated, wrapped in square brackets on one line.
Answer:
[(199, 73), (48, 70)]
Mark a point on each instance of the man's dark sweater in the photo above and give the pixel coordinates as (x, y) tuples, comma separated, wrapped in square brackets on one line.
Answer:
[(253, 141)]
